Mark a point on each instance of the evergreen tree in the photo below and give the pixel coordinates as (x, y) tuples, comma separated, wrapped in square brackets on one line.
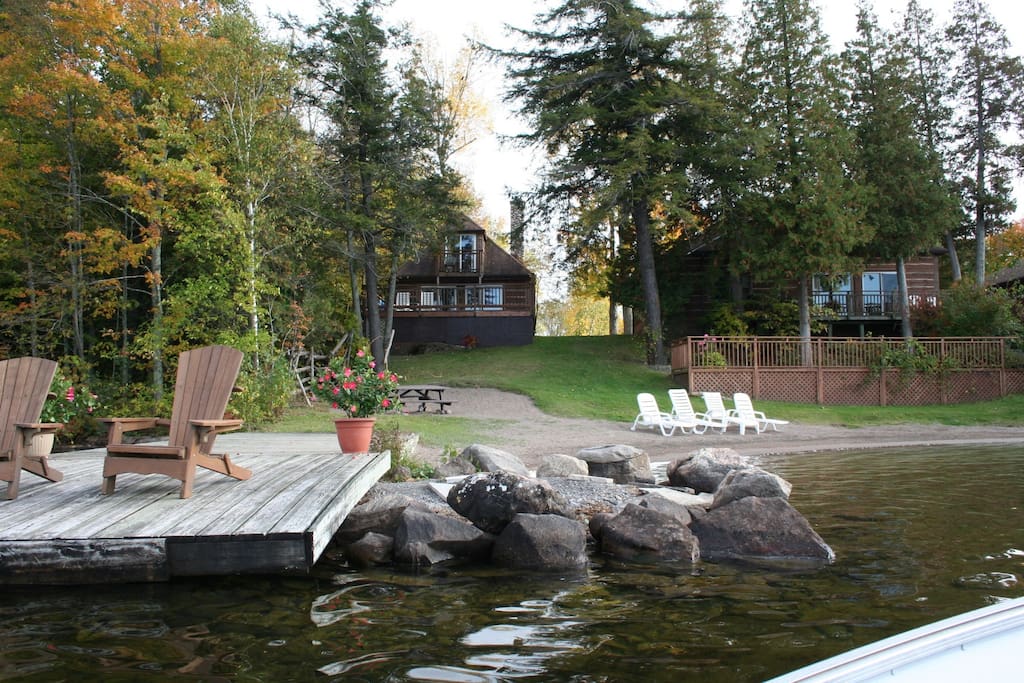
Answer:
[(928, 89), (907, 205), (804, 213), (988, 86), (601, 84)]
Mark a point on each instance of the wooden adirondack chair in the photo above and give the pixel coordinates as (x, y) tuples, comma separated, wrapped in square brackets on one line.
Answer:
[(24, 383), (202, 387)]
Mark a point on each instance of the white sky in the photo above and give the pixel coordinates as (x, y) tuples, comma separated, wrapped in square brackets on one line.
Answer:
[(493, 168)]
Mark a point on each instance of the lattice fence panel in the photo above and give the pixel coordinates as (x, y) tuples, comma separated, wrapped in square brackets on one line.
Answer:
[(1015, 381), (912, 390), (856, 387), (727, 382), (977, 385), (793, 386)]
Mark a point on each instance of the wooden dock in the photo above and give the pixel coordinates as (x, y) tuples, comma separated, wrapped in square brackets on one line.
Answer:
[(279, 521)]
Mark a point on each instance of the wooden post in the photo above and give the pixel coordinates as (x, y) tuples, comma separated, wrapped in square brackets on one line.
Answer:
[(819, 375), (755, 381)]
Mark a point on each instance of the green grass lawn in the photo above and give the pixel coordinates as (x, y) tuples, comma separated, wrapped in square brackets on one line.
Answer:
[(599, 377)]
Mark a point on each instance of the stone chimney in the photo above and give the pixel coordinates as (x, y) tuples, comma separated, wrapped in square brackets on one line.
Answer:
[(517, 225)]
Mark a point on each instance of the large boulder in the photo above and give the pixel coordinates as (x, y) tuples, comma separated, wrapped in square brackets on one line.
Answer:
[(456, 467), (670, 507), (541, 542), (644, 533), (426, 538), (704, 469), (753, 481), (560, 465), (620, 463), (490, 500), (759, 528), (487, 459), (371, 549), (378, 515)]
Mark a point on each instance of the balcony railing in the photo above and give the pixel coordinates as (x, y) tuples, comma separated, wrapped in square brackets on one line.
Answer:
[(866, 305)]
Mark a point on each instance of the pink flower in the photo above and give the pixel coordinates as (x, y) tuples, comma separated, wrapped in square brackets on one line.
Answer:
[(71, 394), (334, 405), (393, 378), (381, 375), (353, 409), (348, 372), (386, 403), (335, 391), (360, 353), (373, 363)]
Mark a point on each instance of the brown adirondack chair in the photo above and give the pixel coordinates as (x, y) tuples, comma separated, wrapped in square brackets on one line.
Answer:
[(24, 383), (202, 387)]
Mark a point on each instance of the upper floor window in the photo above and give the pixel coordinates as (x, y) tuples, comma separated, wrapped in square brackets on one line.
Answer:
[(461, 254)]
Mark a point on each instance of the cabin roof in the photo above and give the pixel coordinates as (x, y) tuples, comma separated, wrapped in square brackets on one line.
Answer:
[(498, 263)]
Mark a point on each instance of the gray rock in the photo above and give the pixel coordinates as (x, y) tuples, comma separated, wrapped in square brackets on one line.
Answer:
[(487, 459), (620, 463), (643, 533), (678, 512), (371, 549), (597, 522), (759, 528), (379, 515), (490, 500), (559, 465), (456, 467), (705, 469), (425, 538), (753, 481), (542, 543)]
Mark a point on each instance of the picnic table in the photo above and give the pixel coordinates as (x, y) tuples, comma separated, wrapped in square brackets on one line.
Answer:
[(424, 394)]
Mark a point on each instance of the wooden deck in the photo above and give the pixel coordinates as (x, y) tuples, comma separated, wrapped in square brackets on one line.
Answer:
[(279, 521)]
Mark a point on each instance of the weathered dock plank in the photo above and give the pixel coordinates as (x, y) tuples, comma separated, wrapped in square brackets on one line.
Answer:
[(280, 520)]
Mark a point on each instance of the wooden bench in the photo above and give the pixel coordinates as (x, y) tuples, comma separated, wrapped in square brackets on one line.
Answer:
[(440, 403)]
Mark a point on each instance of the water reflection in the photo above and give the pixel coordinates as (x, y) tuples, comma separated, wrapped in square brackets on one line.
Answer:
[(919, 535)]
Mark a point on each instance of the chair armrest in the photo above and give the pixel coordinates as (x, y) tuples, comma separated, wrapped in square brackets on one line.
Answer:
[(31, 429), (117, 426), (208, 428)]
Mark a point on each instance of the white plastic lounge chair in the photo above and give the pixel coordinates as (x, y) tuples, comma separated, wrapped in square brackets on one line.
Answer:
[(714, 410), (745, 416), (684, 415), (651, 416)]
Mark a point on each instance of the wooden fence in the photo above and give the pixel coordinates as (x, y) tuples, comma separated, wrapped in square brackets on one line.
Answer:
[(848, 371)]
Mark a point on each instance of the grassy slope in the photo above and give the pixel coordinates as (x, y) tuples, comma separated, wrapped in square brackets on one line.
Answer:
[(599, 377)]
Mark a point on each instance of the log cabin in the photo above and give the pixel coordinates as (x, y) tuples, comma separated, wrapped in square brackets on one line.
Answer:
[(469, 293)]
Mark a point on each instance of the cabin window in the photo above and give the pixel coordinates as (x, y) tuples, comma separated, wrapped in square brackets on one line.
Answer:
[(460, 254), (832, 293), (879, 289), (438, 297), (486, 298), (403, 299)]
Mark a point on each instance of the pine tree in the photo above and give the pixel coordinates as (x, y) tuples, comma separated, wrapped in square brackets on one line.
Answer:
[(908, 206), (804, 214), (602, 84), (988, 86)]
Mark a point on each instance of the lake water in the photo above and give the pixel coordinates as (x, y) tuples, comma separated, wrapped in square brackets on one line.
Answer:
[(920, 535)]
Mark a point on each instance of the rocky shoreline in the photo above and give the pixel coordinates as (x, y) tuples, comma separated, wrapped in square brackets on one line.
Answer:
[(713, 504)]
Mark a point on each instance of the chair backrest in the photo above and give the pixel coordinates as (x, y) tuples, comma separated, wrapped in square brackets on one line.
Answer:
[(202, 387), (713, 404), (681, 406), (744, 406), (648, 405), (24, 383)]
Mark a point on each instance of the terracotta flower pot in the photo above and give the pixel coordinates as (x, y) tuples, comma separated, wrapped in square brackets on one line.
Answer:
[(354, 433)]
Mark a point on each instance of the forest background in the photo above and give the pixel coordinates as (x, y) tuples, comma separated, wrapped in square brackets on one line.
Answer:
[(176, 174)]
